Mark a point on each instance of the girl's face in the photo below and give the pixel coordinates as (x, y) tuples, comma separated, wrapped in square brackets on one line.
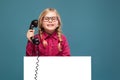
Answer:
[(50, 22)]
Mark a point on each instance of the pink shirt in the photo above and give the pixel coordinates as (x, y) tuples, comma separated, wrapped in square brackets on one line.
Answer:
[(51, 49)]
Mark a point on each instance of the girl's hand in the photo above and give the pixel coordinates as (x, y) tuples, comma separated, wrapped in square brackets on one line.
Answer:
[(30, 34)]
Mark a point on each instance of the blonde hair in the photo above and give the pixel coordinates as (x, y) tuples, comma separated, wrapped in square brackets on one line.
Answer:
[(58, 29)]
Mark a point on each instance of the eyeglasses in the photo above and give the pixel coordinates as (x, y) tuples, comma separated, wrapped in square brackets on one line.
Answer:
[(53, 19)]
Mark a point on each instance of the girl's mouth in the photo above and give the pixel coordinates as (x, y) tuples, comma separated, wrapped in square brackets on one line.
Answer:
[(50, 24)]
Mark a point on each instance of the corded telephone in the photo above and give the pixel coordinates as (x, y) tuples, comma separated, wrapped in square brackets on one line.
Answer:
[(35, 41), (34, 24)]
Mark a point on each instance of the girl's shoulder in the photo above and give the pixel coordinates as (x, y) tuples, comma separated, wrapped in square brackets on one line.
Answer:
[(63, 37)]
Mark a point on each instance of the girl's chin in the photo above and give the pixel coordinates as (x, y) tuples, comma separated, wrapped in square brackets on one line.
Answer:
[(50, 29)]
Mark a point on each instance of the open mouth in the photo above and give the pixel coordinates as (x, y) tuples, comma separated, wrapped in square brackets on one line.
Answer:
[(50, 24)]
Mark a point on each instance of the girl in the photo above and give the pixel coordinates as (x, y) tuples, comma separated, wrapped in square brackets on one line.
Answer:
[(52, 41)]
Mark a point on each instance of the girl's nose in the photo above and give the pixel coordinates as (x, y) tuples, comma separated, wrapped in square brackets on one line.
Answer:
[(50, 20)]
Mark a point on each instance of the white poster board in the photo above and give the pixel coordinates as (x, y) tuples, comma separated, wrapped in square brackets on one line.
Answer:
[(58, 68)]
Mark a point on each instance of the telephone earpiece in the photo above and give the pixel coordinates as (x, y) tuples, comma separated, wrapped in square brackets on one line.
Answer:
[(34, 24)]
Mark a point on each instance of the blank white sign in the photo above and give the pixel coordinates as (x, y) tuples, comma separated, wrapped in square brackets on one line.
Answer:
[(58, 68)]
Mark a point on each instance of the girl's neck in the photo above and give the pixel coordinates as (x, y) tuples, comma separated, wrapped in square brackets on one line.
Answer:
[(50, 32)]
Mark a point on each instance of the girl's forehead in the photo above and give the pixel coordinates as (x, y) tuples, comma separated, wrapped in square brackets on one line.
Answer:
[(49, 14)]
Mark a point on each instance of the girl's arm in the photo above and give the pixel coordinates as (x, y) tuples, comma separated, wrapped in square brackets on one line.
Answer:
[(29, 48), (65, 47)]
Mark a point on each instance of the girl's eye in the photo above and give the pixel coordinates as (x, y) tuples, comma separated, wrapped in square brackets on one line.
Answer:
[(52, 19), (46, 18)]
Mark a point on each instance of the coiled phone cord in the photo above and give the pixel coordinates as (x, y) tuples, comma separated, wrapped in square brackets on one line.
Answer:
[(36, 68), (37, 63)]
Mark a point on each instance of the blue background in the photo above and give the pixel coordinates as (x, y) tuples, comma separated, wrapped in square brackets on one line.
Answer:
[(91, 26)]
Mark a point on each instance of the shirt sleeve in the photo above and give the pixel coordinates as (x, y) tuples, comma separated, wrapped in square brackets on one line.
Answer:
[(65, 47), (29, 48)]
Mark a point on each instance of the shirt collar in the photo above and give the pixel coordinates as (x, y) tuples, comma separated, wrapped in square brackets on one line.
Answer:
[(46, 35)]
